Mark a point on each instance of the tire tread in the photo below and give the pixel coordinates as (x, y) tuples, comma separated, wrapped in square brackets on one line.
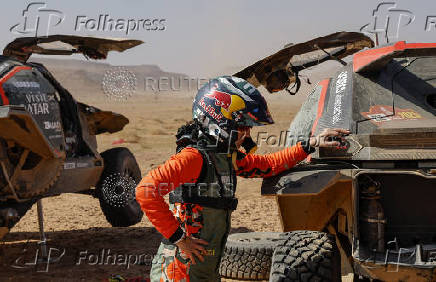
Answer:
[(306, 256)]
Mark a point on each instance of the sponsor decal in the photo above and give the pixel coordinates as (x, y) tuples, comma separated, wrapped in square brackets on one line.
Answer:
[(247, 86), (26, 84), (70, 140), (233, 89), (37, 108), (222, 99), (227, 102), (341, 84), (51, 97), (69, 165), (210, 110), (55, 136), (382, 113), (36, 98), (37, 104), (56, 125)]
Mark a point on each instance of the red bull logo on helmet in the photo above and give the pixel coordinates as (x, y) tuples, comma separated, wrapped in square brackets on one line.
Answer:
[(227, 102), (210, 110), (222, 99)]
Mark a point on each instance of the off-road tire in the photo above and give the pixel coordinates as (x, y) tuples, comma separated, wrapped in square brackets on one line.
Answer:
[(306, 256), (248, 256), (120, 161)]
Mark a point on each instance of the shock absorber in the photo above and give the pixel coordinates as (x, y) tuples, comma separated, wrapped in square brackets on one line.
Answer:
[(371, 216)]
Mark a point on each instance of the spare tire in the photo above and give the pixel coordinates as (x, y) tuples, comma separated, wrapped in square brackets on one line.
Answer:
[(306, 256), (248, 255), (116, 188)]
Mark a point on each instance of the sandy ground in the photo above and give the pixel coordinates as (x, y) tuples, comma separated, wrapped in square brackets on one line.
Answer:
[(76, 227)]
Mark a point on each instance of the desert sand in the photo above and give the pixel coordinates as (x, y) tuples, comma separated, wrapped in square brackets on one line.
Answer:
[(74, 223)]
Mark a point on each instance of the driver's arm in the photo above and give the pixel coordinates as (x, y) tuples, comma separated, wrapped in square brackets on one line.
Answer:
[(251, 165), (184, 167), (272, 164)]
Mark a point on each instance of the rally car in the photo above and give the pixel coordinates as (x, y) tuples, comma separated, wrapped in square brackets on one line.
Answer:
[(48, 139), (368, 203)]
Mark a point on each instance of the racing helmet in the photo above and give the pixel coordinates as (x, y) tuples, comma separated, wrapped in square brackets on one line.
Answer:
[(226, 103)]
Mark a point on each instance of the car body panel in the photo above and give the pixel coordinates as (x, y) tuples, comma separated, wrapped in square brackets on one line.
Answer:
[(278, 71), (47, 139), (378, 190), (92, 47), (391, 113)]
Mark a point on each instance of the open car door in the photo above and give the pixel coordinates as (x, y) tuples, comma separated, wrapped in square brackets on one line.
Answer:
[(278, 71), (92, 47)]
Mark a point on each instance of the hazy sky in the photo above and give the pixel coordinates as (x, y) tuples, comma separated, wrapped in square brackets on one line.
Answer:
[(204, 37)]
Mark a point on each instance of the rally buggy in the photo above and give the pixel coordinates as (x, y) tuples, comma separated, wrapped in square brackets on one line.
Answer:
[(369, 203), (48, 139)]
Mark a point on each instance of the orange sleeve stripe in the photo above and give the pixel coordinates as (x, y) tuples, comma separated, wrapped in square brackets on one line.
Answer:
[(270, 164), (184, 167)]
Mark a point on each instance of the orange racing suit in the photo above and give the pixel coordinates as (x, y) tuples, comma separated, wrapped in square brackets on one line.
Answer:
[(185, 167)]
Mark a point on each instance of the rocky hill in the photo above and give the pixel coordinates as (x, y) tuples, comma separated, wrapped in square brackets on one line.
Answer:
[(83, 78)]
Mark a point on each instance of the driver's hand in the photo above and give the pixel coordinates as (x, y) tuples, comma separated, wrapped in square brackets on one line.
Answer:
[(329, 137), (192, 247)]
